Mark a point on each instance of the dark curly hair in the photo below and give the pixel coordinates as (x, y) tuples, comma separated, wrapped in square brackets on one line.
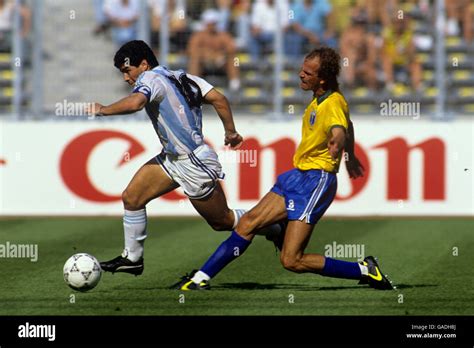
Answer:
[(133, 52), (329, 66)]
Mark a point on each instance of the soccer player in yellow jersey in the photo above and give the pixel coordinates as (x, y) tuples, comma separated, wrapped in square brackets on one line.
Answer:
[(303, 194)]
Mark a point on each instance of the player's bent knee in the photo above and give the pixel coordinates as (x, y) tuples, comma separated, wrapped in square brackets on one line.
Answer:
[(131, 201), (291, 263)]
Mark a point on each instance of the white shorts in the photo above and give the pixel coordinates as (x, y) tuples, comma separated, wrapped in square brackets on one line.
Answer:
[(197, 173)]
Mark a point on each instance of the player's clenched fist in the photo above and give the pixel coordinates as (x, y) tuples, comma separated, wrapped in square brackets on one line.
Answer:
[(93, 109), (354, 167), (234, 140)]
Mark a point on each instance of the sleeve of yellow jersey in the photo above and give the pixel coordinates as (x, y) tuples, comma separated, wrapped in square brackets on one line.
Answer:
[(335, 114)]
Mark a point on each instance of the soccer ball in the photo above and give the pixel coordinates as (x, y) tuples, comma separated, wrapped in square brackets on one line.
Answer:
[(82, 272)]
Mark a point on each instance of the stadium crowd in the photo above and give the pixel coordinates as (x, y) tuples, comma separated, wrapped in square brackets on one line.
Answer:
[(387, 47), (377, 39)]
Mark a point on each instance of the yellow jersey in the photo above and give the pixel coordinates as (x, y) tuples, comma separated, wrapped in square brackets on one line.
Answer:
[(396, 46), (322, 114)]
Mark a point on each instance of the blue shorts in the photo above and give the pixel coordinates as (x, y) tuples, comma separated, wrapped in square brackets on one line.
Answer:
[(307, 193)]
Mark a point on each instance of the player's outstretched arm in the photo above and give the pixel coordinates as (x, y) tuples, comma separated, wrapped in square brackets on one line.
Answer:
[(128, 105), (221, 104), (353, 166)]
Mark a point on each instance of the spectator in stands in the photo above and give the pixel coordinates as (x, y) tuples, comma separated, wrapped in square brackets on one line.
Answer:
[(359, 54), (337, 24), (265, 19), (212, 52), (378, 13), (460, 12), (399, 54), (242, 23), (6, 19), (308, 26), (224, 9), (424, 13), (123, 15), (7, 9), (178, 27), (424, 8), (196, 8), (102, 23)]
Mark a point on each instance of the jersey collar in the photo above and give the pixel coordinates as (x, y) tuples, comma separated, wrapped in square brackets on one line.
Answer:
[(323, 97)]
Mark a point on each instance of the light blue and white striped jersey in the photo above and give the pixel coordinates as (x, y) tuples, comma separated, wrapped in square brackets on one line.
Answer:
[(178, 125)]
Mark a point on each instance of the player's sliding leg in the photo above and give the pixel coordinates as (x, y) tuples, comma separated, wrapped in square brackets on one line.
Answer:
[(150, 182), (294, 259), (272, 208), (268, 211), (220, 217)]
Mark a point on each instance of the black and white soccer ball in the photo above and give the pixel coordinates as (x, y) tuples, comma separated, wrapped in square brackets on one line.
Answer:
[(82, 272)]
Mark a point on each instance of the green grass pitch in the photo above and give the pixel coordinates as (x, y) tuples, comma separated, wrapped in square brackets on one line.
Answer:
[(417, 254)]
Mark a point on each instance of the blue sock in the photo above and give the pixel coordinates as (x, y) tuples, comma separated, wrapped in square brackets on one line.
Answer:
[(230, 249), (341, 269)]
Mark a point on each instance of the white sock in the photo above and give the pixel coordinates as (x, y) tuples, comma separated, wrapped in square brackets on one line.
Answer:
[(237, 215), (134, 225), (234, 84), (199, 277), (363, 269)]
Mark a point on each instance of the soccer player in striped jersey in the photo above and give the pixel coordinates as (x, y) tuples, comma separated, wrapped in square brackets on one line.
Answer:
[(303, 194), (173, 101)]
